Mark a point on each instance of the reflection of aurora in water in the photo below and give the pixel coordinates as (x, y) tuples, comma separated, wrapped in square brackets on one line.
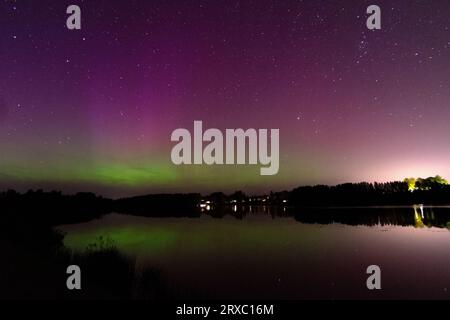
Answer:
[(268, 252), (136, 238), (156, 238)]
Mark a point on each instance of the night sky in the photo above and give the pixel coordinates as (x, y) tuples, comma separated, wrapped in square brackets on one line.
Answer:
[(93, 109)]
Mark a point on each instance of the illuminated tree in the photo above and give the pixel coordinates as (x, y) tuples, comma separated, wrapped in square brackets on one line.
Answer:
[(411, 182)]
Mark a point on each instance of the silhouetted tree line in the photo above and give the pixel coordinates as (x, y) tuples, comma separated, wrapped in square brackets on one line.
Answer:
[(368, 194), (433, 190), (53, 208), (220, 198)]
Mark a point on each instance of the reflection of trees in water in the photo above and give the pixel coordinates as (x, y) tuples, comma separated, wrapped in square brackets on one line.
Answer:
[(418, 216), (358, 216), (243, 211), (432, 216)]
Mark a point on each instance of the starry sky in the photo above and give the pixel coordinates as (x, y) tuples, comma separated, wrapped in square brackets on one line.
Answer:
[(93, 109)]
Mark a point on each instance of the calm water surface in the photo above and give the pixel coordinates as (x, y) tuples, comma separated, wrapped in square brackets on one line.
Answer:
[(267, 253)]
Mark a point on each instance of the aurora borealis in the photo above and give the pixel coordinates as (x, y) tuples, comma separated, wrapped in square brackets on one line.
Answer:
[(93, 109)]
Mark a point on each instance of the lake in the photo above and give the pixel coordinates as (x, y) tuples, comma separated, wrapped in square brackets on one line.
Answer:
[(282, 253)]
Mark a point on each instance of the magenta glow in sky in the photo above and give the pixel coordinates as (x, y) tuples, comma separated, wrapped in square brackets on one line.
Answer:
[(93, 109)]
